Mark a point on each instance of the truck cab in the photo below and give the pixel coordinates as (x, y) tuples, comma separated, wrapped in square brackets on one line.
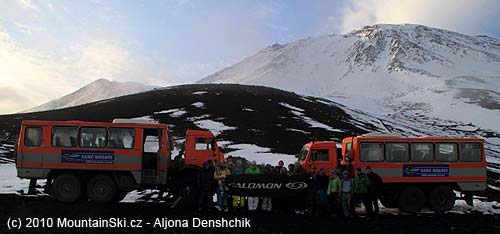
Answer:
[(201, 147), (319, 154)]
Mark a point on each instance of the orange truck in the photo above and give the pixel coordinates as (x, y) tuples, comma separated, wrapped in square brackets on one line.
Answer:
[(104, 161), (416, 171)]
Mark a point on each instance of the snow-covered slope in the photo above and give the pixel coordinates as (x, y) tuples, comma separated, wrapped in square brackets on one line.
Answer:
[(100, 89), (431, 79)]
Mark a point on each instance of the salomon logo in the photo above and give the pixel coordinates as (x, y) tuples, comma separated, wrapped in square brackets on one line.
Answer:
[(296, 185)]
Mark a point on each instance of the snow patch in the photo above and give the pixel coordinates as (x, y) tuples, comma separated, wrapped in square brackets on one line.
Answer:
[(259, 154), (200, 92), (9, 182), (215, 127), (198, 104), (291, 107)]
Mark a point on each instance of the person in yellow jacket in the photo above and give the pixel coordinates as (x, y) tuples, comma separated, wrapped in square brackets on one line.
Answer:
[(220, 175), (333, 193)]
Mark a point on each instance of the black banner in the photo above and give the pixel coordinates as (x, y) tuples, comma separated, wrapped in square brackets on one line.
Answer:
[(267, 185)]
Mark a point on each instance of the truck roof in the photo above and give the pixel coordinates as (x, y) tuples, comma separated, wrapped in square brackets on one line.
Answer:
[(327, 144), (416, 138), (89, 123)]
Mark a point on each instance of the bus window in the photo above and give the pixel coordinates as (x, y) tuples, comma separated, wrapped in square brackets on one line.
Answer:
[(371, 152), (446, 152), (397, 152), (319, 155), (64, 136), (470, 152), (121, 138), (204, 144), (92, 137), (33, 136), (422, 152)]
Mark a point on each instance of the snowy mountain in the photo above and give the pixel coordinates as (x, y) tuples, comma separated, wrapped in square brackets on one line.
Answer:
[(100, 89), (436, 81)]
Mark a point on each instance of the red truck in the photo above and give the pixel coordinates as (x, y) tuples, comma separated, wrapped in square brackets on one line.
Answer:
[(417, 172), (104, 161)]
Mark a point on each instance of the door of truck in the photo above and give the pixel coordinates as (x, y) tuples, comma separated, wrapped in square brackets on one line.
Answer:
[(323, 158), (150, 154), (204, 150)]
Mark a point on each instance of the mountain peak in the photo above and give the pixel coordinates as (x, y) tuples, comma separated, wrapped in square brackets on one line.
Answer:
[(97, 90), (381, 67)]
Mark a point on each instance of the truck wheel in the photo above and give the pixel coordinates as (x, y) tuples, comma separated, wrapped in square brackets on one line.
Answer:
[(441, 199), (411, 200), (102, 189), (67, 188)]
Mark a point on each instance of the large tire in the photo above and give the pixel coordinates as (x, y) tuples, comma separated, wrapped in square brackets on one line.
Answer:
[(411, 200), (102, 189), (441, 199), (67, 188)]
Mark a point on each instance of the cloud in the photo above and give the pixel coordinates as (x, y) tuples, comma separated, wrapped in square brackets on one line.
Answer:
[(471, 17), (28, 4), (40, 77)]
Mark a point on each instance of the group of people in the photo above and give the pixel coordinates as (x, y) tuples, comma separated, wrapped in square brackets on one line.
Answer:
[(336, 193), (345, 192)]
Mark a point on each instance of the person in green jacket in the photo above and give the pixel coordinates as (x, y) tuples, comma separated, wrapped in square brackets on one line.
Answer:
[(253, 202), (360, 191), (333, 192)]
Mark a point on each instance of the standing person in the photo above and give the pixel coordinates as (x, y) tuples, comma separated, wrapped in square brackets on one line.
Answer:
[(361, 183), (253, 202), (238, 201), (205, 180), (280, 167), (333, 193), (373, 189), (322, 193), (291, 169), (220, 175), (266, 201), (346, 188), (313, 193)]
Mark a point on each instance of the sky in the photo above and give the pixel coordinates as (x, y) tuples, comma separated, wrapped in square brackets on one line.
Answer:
[(51, 48)]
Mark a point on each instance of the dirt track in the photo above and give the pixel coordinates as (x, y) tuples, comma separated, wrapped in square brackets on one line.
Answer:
[(14, 206)]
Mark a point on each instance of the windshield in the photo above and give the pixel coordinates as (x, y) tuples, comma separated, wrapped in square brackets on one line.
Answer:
[(303, 154)]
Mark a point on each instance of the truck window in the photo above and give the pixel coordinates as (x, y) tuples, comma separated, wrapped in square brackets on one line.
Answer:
[(446, 152), (422, 152), (92, 137), (397, 152), (319, 155), (64, 136), (33, 136), (204, 144), (348, 148), (303, 154), (371, 152), (470, 152), (121, 138), (151, 144)]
